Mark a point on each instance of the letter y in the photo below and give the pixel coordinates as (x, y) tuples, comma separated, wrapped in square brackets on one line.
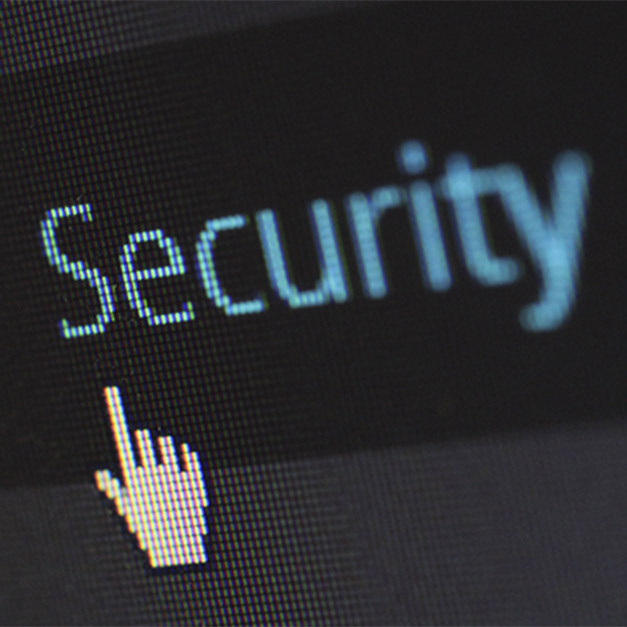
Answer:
[(553, 239)]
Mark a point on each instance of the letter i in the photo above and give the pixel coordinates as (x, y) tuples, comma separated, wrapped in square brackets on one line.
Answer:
[(412, 158)]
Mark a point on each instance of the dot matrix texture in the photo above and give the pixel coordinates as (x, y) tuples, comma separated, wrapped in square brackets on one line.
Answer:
[(509, 530), (277, 524), (160, 143), (162, 503), (45, 34)]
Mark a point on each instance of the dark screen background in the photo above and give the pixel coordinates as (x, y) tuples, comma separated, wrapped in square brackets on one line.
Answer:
[(415, 460), (170, 136)]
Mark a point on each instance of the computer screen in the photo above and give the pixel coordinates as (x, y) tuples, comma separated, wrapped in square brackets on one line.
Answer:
[(313, 313)]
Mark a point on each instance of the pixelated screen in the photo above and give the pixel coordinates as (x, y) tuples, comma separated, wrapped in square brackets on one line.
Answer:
[(313, 314)]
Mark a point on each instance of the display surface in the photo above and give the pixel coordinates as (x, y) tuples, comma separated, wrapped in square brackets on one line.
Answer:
[(240, 268)]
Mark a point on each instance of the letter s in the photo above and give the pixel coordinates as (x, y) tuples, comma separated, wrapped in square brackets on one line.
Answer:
[(79, 270)]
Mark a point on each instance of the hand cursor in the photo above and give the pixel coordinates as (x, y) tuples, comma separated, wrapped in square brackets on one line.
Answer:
[(163, 505)]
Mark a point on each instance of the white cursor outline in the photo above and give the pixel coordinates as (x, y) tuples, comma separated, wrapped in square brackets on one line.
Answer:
[(162, 504)]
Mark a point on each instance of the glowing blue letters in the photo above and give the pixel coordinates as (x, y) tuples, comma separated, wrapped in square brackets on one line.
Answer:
[(332, 283), (79, 271), (207, 268), (132, 277), (364, 213), (552, 239), (412, 158), (460, 186), (550, 234)]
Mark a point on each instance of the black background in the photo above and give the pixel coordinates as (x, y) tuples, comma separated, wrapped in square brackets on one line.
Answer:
[(171, 136)]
